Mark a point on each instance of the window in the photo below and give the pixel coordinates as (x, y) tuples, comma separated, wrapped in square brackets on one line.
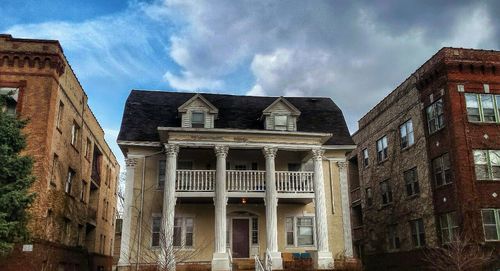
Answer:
[(305, 231), (365, 157), (75, 133), (280, 122), (411, 182), (60, 112), (491, 224), (161, 173), (435, 116), (382, 149), (386, 191), (69, 180), (417, 232), (183, 231), (83, 191), (448, 227), (66, 233), (87, 148), (482, 107), (55, 170), (369, 196), (155, 231), (472, 105), (10, 106), (392, 233), (79, 235), (406, 132), (198, 120), (487, 164), (441, 170), (290, 236), (255, 231)]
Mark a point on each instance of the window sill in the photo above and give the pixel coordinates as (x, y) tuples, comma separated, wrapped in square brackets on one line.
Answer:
[(437, 131), (488, 180), (383, 206), (484, 122), (383, 161), (443, 186), (407, 147), (414, 196)]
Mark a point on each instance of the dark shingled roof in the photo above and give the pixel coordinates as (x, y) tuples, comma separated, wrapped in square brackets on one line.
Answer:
[(145, 111)]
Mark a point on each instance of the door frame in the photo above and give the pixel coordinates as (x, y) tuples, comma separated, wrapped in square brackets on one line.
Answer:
[(249, 218)]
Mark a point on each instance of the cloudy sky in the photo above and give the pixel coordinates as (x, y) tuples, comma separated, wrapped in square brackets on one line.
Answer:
[(355, 52)]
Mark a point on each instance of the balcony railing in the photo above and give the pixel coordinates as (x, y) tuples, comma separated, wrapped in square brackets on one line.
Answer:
[(195, 181), (294, 181), (246, 180)]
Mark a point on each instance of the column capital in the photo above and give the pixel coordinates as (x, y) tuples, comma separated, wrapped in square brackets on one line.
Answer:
[(221, 150), (342, 165), (270, 152), (318, 154), (171, 149), (130, 162)]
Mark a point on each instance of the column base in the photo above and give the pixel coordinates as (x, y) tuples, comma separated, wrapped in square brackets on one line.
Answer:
[(276, 260), (322, 260), (220, 262)]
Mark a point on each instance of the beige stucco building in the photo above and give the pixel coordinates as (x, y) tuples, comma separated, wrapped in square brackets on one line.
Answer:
[(212, 178)]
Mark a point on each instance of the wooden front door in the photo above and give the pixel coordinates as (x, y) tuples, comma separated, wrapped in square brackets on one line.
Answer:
[(241, 239)]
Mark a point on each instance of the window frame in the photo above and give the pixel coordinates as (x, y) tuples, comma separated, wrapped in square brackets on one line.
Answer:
[(496, 217), (479, 98), (83, 192), (75, 134), (394, 242), (295, 231), (451, 228), (369, 196), (195, 124), (408, 139), (387, 194), (254, 231), (60, 112), (489, 165), (414, 184), (417, 231), (382, 154), (366, 157), (155, 232), (69, 181), (183, 232), (283, 127), (443, 170), (436, 117)]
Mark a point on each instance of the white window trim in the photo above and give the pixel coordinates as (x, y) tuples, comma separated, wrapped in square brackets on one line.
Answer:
[(295, 231), (286, 122)]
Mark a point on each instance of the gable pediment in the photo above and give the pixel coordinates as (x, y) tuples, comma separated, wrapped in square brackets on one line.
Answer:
[(281, 105), (198, 101)]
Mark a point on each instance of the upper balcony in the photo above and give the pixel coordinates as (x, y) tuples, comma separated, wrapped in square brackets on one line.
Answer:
[(244, 183)]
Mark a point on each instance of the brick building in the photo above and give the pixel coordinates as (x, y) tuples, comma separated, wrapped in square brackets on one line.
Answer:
[(427, 163), (72, 218)]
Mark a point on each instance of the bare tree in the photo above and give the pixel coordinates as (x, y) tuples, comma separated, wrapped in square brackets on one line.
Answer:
[(461, 254)]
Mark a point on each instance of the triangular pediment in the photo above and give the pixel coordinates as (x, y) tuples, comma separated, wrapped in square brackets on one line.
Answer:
[(280, 104), (198, 98)]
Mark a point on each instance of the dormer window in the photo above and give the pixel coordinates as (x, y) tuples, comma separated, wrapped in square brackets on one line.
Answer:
[(198, 120), (281, 115), (280, 122)]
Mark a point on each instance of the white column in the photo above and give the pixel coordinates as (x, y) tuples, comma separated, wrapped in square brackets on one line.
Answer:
[(220, 260), (346, 217), (271, 208), (127, 212), (324, 258), (167, 257)]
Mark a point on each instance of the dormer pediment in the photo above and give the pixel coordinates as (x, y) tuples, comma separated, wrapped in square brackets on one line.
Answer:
[(198, 112), (281, 115)]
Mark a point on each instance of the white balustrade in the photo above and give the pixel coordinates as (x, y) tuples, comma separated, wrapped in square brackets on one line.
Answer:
[(195, 180), (246, 180), (294, 182)]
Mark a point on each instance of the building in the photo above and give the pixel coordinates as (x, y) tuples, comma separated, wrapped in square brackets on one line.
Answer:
[(214, 177), (72, 217), (426, 166)]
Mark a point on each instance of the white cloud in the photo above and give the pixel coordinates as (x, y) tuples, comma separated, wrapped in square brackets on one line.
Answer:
[(187, 81)]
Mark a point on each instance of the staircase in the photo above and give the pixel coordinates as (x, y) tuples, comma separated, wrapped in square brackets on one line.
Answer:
[(243, 265)]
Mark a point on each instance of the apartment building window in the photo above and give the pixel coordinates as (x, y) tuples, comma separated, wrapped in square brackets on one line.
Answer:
[(88, 148), (66, 232), (411, 182), (290, 233), (83, 191), (161, 173), (55, 169), (369, 196), (301, 228), (385, 189), (197, 119), (365, 157), (69, 181), (393, 236), (255, 231), (406, 132), (280, 122), (487, 164), (75, 134), (155, 231), (435, 116), (382, 149), (10, 106), (491, 224), (59, 117), (482, 107), (448, 226), (417, 232), (441, 170), (79, 236), (183, 231)]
